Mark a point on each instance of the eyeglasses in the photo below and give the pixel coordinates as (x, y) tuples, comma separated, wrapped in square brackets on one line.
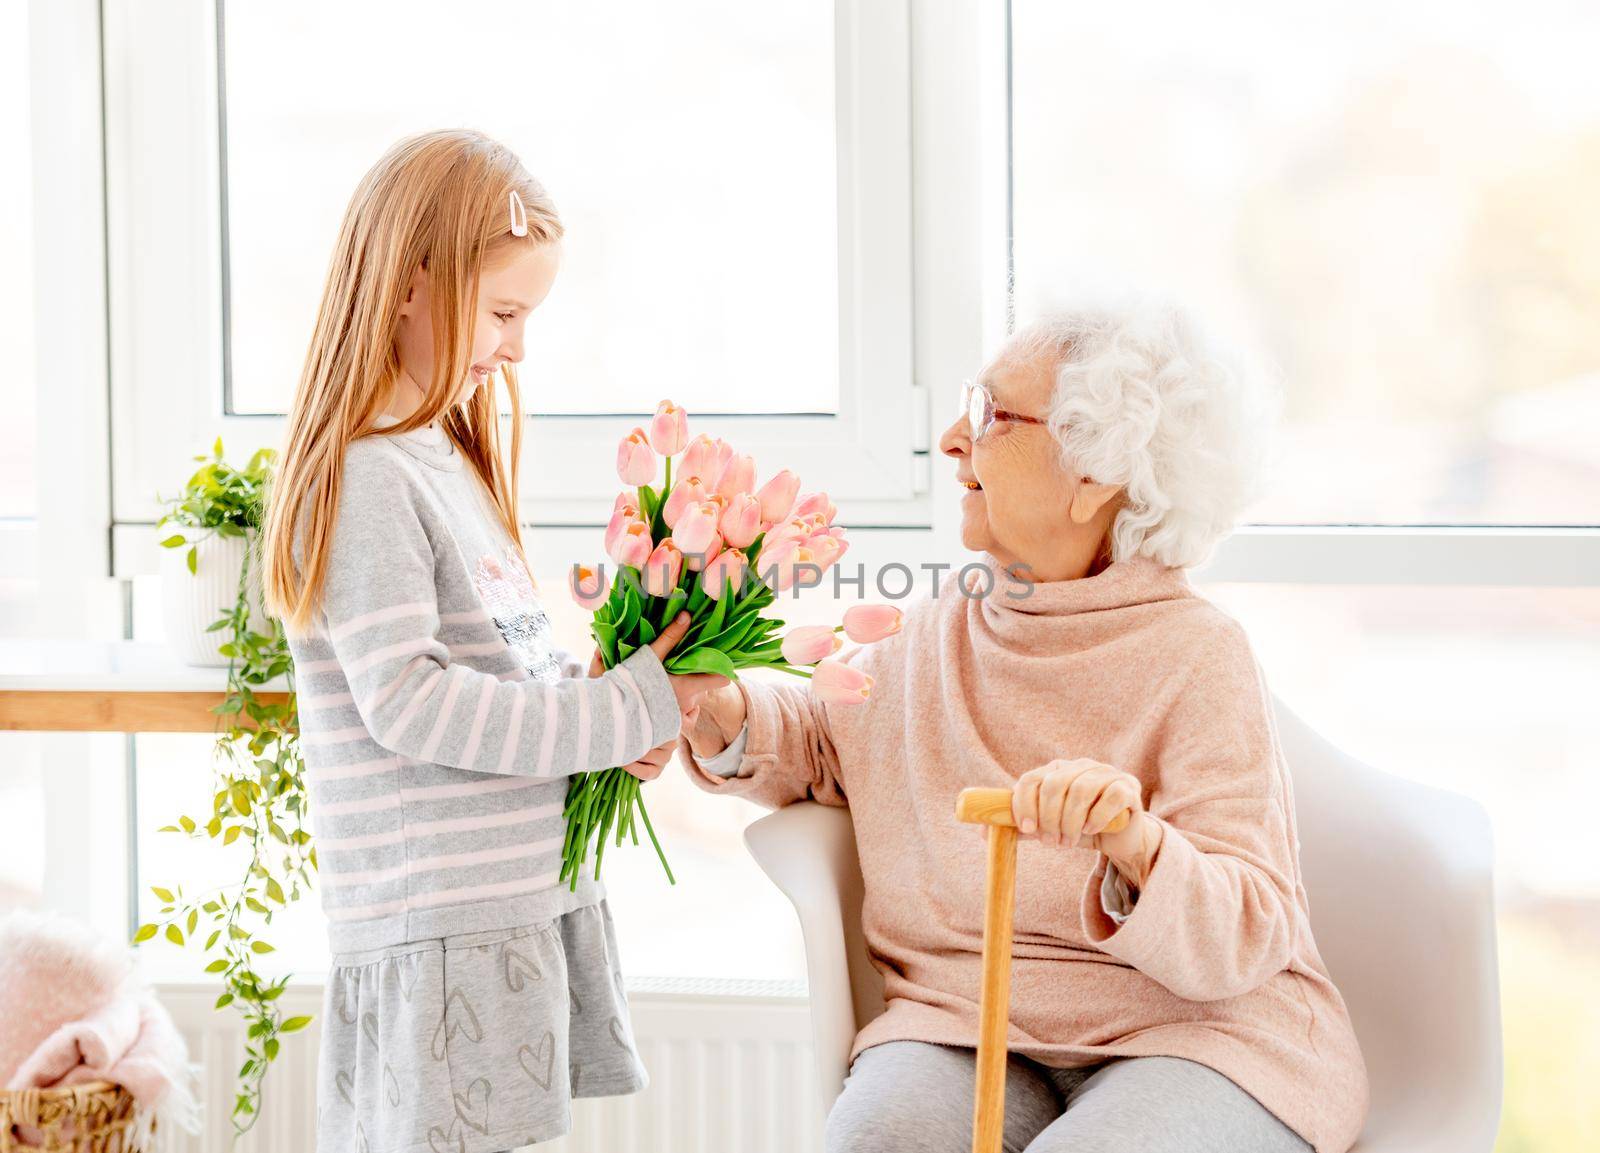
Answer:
[(978, 403)]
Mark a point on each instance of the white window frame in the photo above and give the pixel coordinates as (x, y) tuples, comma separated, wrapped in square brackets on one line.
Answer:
[(65, 547), (166, 273)]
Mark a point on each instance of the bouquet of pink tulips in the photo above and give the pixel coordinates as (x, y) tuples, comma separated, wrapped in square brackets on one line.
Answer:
[(718, 547)]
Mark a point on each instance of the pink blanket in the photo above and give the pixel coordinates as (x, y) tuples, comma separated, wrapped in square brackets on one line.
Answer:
[(75, 1010)]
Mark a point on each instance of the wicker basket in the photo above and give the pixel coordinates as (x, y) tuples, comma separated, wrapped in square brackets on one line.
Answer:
[(95, 1117)]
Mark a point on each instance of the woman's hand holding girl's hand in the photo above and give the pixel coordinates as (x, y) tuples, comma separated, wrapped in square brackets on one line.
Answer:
[(1070, 802), (712, 724)]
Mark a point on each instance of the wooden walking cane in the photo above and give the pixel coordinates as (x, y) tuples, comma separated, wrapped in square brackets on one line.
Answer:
[(992, 807)]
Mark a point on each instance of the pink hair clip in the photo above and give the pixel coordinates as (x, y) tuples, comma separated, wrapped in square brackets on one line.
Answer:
[(519, 215)]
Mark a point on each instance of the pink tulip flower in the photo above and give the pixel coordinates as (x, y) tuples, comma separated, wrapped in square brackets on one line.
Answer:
[(771, 559), (739, 475), (842, 546), (697, 562), (661, 571), (686, 492), (781, 566), (830, 543), (777, 496), (864, 624), (789, 530), (696, 531), (722, 453), (636, 463), (741, 521), (632, 546), (669, 429), (729, 565), (825, 548), (836, 683), (590, 589), (701, 460), (816, 502), (810, 644), (622, 515)]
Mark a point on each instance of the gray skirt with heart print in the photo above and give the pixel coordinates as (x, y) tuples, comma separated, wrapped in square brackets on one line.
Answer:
[(474, 1043)]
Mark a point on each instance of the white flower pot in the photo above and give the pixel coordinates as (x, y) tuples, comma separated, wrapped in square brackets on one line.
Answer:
[(192, 602)]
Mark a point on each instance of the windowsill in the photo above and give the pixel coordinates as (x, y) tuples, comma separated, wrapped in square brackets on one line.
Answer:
[(106, 666)]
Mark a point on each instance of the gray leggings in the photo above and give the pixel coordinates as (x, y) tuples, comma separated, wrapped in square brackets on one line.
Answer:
[(913, 1097)]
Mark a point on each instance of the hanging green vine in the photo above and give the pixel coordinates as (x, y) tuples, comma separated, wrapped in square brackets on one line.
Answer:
[(259, 800)]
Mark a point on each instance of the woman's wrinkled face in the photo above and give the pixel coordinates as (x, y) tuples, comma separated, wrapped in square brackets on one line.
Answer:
[(508, 291), (1018, 493), (1022, 503)]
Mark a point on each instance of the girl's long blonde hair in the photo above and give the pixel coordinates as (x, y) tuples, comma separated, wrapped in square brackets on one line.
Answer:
[(439, 201)]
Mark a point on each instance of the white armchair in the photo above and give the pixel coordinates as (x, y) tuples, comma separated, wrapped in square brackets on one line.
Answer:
[(1399, 877)]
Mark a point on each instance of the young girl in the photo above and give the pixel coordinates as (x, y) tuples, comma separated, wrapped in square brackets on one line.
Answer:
[(471, 994)]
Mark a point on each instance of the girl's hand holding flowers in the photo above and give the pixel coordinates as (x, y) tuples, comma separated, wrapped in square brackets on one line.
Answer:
[(1069, 803), (687, 687), (649, 766)]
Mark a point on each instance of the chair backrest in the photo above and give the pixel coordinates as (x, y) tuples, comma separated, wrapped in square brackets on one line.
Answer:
[(1399, 877), (1399, 880)]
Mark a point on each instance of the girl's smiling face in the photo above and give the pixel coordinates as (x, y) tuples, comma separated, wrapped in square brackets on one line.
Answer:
[(509, 289)]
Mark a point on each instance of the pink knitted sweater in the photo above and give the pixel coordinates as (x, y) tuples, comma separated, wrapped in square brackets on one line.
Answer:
[(1216, 963)]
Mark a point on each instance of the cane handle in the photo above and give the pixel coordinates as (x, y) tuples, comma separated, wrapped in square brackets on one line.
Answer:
[(993, 807)]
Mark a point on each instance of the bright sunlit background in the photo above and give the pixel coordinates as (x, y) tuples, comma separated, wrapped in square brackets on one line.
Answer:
[(1391, 205), (641, 147)]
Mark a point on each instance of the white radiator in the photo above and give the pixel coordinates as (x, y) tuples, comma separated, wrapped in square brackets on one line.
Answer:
[(729, 1061)]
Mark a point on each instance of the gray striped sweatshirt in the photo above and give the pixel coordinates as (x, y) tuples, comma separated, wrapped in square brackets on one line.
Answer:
[(438, 720)]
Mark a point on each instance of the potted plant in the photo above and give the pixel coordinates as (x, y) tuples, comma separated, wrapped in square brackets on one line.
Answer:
[(257, 804), (217, 517)]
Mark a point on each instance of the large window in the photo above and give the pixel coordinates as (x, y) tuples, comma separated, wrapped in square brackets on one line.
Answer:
[(691, 150), (736, 188), (1393, 201), (18, 492), (1393, 204), (735, 182)]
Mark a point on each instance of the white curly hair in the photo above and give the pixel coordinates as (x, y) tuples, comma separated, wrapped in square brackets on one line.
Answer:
[(1145, 399)]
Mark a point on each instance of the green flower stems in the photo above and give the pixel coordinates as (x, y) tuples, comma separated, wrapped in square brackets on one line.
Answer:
[(725, 635)]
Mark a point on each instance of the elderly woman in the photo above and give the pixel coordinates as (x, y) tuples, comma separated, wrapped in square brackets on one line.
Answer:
[(1166, 990)]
